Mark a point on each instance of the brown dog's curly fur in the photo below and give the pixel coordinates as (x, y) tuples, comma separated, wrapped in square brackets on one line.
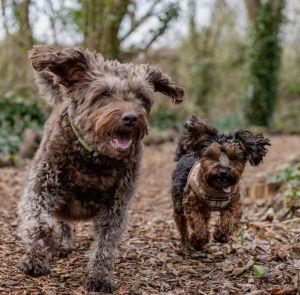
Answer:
[(106, 104), (220, 160)]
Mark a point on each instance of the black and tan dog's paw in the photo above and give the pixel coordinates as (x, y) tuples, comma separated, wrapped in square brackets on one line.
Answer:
[(221, 236), (34, 266), (186, 251), (96, 283), (198, 243)]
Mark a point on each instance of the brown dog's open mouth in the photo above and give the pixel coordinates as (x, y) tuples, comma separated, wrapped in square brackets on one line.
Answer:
[(121, 141)]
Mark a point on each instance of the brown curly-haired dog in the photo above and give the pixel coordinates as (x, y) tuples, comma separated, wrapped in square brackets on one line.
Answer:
[(87, 163), (206, 178)]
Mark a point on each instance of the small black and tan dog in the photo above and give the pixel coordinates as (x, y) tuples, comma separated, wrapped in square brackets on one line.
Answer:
[(206, 178)]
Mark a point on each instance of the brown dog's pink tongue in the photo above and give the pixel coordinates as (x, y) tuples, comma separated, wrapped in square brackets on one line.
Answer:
[(121, 142), (124, 142)]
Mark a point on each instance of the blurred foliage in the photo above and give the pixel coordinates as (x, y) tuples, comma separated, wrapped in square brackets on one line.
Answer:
[(162, 118), (293, 88), (202, 74), (263, 57), (17, 114), (208, 60), (228, 122), (200, 49), (288, 119), (291, 191)]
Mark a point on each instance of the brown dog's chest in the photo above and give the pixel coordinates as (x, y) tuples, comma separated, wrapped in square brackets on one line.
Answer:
[(85, 178), (85, 189)]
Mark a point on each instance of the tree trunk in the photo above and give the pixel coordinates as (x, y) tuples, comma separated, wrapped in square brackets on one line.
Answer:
[(262, 60), (204, 43), (24, 36), (102, 20)]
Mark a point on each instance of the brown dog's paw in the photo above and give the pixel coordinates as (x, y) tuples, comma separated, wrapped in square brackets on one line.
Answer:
[(63, 253), (221, 236), (95, 283), (34, 266)]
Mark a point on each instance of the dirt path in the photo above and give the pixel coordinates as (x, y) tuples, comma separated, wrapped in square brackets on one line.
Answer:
[(148, 262)]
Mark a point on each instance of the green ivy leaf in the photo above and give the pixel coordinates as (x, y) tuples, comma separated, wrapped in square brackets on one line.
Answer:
[(258, 271)]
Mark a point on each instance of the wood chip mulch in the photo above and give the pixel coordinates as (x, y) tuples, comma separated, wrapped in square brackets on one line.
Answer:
[(263, 259)]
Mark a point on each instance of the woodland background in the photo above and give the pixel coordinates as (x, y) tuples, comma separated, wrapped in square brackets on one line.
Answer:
[(238, 60)]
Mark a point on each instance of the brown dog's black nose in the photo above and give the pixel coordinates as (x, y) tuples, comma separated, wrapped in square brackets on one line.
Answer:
[(129, 118)]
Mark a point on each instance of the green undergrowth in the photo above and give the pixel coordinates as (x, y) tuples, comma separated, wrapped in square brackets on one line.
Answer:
[(291, 191), (18, 112)]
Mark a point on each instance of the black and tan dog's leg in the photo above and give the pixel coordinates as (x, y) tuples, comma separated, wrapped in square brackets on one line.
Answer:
[(229, 221), (181, 223), (198, 221)]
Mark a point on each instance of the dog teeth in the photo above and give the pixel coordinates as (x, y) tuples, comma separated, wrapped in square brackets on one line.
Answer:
[(227, 190)]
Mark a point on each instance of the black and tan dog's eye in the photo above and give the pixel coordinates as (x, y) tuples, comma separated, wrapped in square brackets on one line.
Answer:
[(232, 158)]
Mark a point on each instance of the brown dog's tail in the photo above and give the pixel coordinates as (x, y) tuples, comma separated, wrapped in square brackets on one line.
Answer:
[(48, 87)]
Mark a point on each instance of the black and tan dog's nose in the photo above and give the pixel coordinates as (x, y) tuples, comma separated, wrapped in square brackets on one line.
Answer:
[(223, 172), (129, 118)]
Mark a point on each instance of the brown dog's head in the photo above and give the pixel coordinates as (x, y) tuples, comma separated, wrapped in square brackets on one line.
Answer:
[(223, 155), (108, 102)]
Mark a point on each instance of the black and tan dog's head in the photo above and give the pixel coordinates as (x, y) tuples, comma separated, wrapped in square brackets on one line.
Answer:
[(222, 155), (109, 102)]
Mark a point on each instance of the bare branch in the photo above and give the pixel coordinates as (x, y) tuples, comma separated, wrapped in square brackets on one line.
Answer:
[(137, 23), (159, 32), (52, 20)]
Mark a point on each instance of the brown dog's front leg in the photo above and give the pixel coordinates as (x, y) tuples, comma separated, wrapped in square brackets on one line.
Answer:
[(108, 227), (229, 221)]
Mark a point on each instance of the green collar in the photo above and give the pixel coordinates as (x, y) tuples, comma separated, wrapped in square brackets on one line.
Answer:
[(84, 143)]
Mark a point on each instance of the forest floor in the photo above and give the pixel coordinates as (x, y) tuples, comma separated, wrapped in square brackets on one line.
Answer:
[(263, 259)]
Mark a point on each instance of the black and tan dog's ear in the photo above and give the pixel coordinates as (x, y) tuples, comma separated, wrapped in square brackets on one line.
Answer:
[(68, 65), (256, 146), (163, 84), (198, 133), (200, 128)]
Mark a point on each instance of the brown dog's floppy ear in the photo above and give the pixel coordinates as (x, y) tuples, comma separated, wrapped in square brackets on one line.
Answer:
[(68, 65), (163, 84), (255, 146)]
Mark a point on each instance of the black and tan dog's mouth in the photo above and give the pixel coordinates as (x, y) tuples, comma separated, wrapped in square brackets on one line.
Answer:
[(220, 184)]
